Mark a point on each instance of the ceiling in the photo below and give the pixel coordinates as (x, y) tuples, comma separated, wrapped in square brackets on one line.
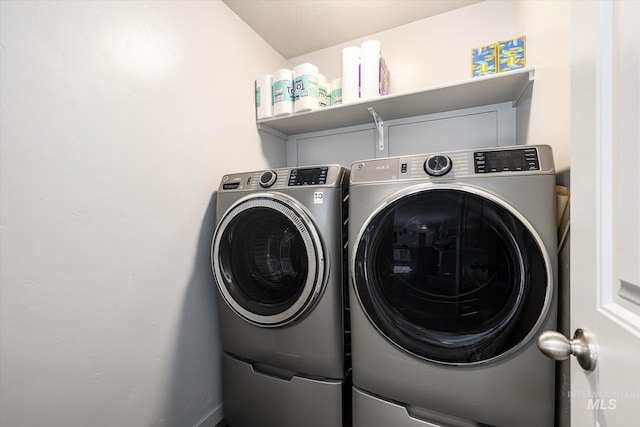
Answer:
[(296, 27)]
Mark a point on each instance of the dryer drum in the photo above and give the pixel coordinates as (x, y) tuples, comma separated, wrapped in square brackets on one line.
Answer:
[(450, 276)]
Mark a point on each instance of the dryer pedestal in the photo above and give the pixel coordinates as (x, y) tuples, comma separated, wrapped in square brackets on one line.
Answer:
[(256, 399), (370, 411)]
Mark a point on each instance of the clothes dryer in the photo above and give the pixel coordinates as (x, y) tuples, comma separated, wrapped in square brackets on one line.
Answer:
[(453, 276), (277, 257)]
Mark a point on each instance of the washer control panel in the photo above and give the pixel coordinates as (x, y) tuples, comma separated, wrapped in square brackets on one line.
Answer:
[(308, 176), (280, 179)]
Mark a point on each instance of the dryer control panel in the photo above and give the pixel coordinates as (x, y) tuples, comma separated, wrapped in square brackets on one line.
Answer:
[(452, 165), (524, 159)]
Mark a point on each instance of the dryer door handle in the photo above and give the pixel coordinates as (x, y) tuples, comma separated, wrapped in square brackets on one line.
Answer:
[(554, 345)]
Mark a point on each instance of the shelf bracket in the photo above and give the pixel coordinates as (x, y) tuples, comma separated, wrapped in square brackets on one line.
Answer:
[(379, 128)]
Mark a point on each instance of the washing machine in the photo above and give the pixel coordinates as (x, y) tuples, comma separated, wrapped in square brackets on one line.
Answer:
[(453, 276), (279, 261)]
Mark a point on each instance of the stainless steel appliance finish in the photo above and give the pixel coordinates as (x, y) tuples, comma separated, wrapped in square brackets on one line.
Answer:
[(453, 277), (277, 257)]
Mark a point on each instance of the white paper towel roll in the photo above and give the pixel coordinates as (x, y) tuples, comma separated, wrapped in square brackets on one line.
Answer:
[(282, 92), (370, 69), (336, 91), (350, 74), (323, 95), (264, 97), (305, 84)]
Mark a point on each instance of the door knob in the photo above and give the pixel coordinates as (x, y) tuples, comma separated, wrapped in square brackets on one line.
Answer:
[(554, 345)]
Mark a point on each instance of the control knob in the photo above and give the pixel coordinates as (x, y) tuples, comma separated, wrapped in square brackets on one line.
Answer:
[(437, 165), (267, 179)]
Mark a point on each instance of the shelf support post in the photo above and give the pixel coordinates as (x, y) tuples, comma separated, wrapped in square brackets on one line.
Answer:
[(379, 128)]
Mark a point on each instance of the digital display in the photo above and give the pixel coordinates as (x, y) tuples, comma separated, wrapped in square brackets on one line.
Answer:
[(308, 176), (525, 159)]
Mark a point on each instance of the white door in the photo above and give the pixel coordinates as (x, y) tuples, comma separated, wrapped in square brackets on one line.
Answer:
[(605, 218)]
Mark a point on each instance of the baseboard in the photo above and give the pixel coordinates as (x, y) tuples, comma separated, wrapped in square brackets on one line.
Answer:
[(212, 419)]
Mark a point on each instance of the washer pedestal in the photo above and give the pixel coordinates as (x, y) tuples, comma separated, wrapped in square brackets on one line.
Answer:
[(256, 399)]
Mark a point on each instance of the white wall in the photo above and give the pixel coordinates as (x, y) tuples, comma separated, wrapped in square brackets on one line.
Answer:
[(547, 25), (118, 121), (436, 51)]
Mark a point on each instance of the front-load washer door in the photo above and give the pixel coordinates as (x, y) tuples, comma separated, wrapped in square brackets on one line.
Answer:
[(452, 275), (268, 260)]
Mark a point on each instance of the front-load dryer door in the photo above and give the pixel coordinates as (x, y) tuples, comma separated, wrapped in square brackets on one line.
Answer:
[(452, 275), (268, 260)]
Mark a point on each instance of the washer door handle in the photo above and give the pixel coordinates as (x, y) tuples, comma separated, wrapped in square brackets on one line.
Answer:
[(554, 345)]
